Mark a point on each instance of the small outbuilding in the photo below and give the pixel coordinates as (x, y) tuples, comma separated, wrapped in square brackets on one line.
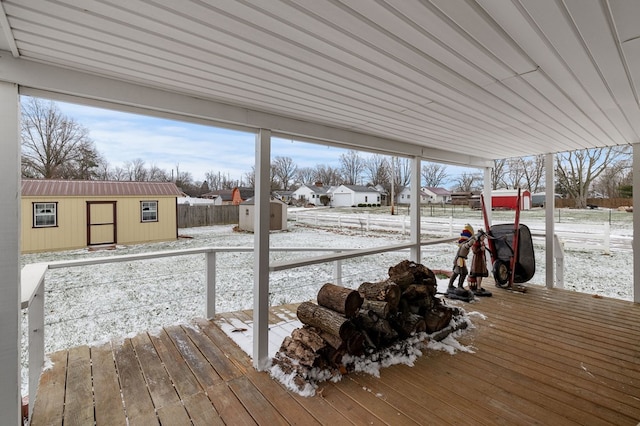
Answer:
[(508, 199), (68, 214), (277, 218)]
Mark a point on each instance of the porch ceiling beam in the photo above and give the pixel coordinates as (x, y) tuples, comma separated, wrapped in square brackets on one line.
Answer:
[(36, 79)]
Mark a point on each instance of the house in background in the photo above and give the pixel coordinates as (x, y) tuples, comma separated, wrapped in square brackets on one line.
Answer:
[(284, 196), (352, 195), (225, 196), (241, 194), (310, 194), (436, 195), (214, 200), (64, 215), (277, 216), (404, 196)]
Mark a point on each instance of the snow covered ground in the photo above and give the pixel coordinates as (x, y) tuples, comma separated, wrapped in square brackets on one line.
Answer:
[(97, 303)]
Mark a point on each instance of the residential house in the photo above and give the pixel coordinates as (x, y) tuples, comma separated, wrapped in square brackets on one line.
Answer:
[(225, 195), (353, 195), (66, 214), (241, 194), (310, 194), (436, 195), (404, 197)]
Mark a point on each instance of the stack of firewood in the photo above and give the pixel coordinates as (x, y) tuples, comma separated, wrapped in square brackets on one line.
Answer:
[(363, 321)]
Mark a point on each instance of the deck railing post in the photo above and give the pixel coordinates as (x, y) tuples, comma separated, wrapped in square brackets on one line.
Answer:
[(36, 342), (558, 252), (337, 271), (606, 241), (211, 284)]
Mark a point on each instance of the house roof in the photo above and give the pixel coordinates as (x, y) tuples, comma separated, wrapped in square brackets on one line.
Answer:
[(225, 194), (97, 188), (360, 188), (438, 191), (463, 82)]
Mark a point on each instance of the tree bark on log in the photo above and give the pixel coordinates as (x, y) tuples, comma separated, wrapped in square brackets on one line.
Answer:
[(326, 320), (309, 337), (384, 291), (340, 299), (380, 308), (298, 351), (369, 320), (410, 324)]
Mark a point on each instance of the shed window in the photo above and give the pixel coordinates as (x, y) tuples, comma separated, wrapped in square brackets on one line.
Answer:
[(45, 215), (149, 211)]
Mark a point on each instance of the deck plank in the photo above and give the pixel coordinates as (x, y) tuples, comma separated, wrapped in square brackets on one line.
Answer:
[(158, 381), (256, 404), (173, 414), (201, 411), (137, 401), (227, 404), (49, 404), (79, 391), (226, 369), (109, 409)]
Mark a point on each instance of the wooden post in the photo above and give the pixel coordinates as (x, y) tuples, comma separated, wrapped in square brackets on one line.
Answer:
[(10, 292), (211, 284), (261, 252)]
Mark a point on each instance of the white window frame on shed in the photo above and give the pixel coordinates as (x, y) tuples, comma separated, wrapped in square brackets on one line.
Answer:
[(148, 204), (40, 211)]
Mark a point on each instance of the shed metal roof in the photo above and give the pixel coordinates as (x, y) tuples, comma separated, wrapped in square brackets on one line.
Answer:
[(95, 188)]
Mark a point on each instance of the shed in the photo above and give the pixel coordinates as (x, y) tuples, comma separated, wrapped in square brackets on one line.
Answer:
[(67, 214), (507, 199), (277, 217)]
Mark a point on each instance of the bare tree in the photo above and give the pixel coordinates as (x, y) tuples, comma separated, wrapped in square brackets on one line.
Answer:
[(305, 175), (577, 170), (55, 146), (514, 178), (136, 170), (434, 175), (467, 182), (377, 168), (156, 174), (327, 175), (251, 177), (352, 167), (284, 171), (533, 168), (401, 173), (609, 183), (497, 173)]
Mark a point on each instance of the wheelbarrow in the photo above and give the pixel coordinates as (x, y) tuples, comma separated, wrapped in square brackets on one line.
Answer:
[(511, 249)]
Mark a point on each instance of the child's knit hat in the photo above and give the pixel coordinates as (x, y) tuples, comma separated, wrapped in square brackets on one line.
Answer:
[(467, 232)]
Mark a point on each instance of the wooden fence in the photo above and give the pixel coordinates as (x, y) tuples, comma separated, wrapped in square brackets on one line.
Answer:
[(203, 215), (609, 203)]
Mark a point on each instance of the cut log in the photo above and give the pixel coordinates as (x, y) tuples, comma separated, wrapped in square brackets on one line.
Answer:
[(384, 291), (309, 338), (380, 308), (326, 320), (416, 291), (410, 324), (408, 272), (369, 320), (298, 351), (340, 299), (438, 318)]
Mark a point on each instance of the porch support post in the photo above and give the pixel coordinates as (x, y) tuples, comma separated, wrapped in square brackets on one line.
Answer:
[(486, 193), (636, 223), (414, 214), (10, 398), (549, 227), (261, 251)]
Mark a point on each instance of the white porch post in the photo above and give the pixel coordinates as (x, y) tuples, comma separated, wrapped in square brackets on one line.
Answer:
[(414, 214), (636, 223), (261, 251), (549, 227), (10, 398), (486, 193)]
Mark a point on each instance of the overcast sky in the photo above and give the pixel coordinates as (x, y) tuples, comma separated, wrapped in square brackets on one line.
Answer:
[(197, 149)]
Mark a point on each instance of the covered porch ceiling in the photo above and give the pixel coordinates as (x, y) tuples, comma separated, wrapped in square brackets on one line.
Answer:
[(457, 81)]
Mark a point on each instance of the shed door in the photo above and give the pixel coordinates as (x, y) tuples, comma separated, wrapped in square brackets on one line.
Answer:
[(101, 222)]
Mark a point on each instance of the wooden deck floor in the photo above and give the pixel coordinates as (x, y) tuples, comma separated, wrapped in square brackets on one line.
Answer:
[(544, 357)]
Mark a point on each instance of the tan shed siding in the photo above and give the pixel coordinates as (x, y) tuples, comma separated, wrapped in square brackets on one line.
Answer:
[(131, 229), (71, 232)]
